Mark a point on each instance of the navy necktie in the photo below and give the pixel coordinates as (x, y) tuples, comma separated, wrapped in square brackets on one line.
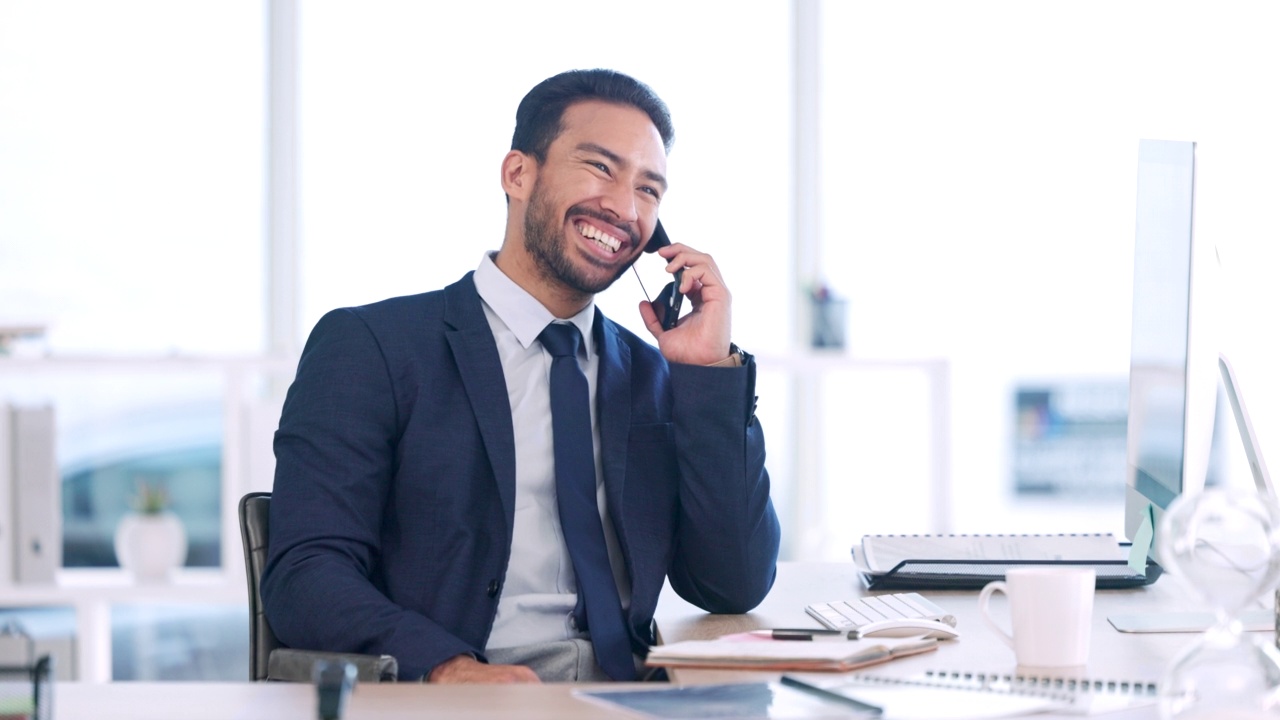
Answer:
[(599, 609)]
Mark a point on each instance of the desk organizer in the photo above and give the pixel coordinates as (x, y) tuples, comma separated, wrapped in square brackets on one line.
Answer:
[(26, 691)]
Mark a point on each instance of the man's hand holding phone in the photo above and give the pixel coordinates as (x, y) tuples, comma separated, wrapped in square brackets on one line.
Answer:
[(702, 337)]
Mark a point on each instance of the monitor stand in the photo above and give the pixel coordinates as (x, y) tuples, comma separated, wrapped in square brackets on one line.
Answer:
[(1187, 622)]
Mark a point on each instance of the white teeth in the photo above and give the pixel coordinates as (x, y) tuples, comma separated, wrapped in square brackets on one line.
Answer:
[(603, 239)]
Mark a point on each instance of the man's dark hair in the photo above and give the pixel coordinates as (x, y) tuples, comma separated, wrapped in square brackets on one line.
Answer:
[(538, 119)]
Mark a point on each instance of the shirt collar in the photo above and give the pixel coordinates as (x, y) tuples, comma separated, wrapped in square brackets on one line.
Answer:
[(520, 311)]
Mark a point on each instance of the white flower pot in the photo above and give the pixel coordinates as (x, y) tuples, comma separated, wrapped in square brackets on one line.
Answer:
[(151, 546)]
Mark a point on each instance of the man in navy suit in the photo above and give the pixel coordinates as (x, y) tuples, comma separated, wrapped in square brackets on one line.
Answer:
[(414, 507)]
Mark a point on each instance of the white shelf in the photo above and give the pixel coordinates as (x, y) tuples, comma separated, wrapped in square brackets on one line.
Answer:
[(92, 593)]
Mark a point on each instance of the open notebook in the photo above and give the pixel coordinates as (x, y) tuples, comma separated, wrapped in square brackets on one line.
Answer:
[(745, 651)]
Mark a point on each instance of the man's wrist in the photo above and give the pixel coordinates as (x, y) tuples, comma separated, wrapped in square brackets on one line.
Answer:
[(448, 665), (737, 358)]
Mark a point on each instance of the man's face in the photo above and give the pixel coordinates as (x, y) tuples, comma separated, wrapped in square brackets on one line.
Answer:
[(595, 199)]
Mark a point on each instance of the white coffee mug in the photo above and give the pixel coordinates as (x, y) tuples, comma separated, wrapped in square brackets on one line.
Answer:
[(1052, 609)]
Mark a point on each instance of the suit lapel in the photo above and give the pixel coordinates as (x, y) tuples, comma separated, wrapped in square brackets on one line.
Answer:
[(476, 354), (613, 407)]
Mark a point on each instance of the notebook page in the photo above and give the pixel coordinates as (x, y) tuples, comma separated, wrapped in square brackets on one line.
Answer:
[(958, 696), (936, 703)]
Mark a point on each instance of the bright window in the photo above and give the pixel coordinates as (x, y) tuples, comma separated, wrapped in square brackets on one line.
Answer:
[(132, 177), (131, 215), (407, 110)]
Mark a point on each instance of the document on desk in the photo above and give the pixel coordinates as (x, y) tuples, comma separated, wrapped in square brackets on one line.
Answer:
[(970, 561), (768, 700), (744, 651)]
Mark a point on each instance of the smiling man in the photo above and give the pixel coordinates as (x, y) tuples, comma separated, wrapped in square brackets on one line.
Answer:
[(492, 481)]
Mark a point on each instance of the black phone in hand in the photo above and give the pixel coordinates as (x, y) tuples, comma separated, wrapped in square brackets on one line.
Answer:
[(667, 306)]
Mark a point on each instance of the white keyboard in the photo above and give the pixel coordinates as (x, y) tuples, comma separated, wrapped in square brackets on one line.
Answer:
[(854, 614)]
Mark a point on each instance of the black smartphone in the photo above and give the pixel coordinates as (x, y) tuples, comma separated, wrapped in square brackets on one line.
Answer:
[(667, 306)]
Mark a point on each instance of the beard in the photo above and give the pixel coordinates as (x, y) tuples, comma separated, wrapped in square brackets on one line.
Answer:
[(544, 240)]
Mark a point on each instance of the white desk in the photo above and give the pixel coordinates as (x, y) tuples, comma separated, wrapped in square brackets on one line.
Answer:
[(273, 701), (1113, 655)]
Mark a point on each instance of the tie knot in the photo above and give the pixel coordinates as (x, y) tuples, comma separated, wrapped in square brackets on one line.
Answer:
[(561, 340)]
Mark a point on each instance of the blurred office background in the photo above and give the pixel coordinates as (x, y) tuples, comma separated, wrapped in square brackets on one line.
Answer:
[(185, 187)]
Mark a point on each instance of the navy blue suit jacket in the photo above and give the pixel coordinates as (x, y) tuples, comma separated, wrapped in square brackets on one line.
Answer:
[(395, 482)]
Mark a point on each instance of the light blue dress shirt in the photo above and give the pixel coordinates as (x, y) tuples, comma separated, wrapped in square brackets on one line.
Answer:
[(539, 592)]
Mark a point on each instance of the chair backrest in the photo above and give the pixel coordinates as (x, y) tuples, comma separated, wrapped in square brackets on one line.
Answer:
[(254, 511)]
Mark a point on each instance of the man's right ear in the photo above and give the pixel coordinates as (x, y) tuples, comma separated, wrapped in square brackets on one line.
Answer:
[(518, 174)]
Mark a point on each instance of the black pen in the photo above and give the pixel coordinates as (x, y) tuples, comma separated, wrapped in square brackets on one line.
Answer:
[(801, 634), (852, 702)]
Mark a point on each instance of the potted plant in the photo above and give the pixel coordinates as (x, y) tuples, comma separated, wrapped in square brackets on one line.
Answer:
[(150, 541)]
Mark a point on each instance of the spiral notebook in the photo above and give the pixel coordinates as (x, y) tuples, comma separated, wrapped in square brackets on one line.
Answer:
[(949, 695), (904, 562)]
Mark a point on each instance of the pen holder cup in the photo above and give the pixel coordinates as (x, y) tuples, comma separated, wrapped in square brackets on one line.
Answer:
[(829, 323), (26, 691)]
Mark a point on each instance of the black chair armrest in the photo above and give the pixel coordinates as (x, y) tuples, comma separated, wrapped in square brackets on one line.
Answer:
[(290, 665)]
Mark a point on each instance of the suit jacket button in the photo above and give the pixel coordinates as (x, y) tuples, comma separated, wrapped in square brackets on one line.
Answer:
[(493, 588)]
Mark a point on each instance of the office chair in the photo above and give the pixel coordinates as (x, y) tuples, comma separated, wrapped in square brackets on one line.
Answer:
[(268, 658)]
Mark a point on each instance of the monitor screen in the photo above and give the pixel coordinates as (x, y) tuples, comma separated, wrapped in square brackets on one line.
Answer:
[(1172, 374)]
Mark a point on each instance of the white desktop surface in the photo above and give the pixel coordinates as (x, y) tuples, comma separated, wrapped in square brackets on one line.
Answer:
[(275, 701), (1113, 655)]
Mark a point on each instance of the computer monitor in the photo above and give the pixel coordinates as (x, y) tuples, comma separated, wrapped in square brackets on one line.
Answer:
[(1173, 372)]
